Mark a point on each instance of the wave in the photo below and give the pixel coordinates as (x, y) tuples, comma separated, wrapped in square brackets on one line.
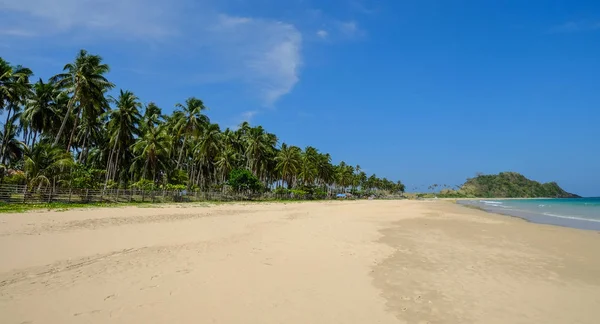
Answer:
[(491, 202), (572, 217)]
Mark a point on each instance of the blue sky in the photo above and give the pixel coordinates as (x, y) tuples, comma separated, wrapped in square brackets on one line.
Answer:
[(428, 91)]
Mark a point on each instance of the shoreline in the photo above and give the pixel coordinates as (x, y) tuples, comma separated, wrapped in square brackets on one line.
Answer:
[(533, 217)]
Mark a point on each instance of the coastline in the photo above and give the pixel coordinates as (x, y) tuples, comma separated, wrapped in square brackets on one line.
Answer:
[(401, 261), (531, 216)]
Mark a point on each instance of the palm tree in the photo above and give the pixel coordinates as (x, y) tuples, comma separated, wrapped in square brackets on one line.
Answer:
[(40, 111), (123, 126), (179, 148), (227, 161), (152, 116), (308, 170), (44, 164), (208, 148), (260, 145), (288, 162), (14, 84), (344, 174), (14, 89), (84, 80), (153, 150), (190, 121), (13, 147)]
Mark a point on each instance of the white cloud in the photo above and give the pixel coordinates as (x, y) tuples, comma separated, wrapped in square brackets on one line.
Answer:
[(226, 21), (248, 115), (17, 32), (362, 7), (349, 28), (128, 17), (262, 54), (322, 33)]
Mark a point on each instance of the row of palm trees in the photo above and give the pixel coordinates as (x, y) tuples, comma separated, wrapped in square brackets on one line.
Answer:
[(68, 130)]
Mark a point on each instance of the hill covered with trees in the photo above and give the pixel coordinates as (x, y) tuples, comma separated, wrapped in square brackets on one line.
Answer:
[(67, 131), (511, 185)]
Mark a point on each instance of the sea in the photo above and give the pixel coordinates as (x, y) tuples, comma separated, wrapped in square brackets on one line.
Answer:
[(582, 213)]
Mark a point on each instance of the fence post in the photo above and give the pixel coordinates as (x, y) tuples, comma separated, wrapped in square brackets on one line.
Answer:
[(87, 195), (143, 195), (24, 193), (117, 197), (70, 192)]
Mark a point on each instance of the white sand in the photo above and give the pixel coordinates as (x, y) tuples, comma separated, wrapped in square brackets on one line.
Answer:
[(333, 262)]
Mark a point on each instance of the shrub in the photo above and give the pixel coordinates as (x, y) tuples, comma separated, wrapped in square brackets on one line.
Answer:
[(143, 184), (244, 180)]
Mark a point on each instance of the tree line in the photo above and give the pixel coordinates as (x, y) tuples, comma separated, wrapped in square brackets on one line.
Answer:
[(68, 132)]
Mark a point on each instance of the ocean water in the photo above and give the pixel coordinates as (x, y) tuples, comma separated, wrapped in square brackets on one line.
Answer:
[(583, 213)]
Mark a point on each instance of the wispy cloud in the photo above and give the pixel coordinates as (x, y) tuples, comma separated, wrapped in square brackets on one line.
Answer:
[(361, 6), (322, 33), (137, 18), (248, 115), (17, 32), (263, 54), (576, 26), (349, 29)]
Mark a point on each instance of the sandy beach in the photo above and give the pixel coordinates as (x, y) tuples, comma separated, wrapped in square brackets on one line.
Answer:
[(315, 262)]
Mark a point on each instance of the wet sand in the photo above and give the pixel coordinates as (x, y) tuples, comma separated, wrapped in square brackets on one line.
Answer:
[(321, 262)]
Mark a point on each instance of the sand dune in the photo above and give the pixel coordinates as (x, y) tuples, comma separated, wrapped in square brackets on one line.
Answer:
[(325, 262)]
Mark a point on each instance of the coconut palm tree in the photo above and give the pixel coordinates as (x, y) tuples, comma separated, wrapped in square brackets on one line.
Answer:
[(227, 161), (288, 161), (14, 84), (40, 111), (179, 148), (45, 164), (84, 81), (122, 127), (152, 116), (152, 150), (14, 89), (189, 122), (308, 170), (208, 148), (13, 147)]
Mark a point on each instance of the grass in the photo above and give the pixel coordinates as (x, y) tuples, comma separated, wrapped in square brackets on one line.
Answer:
[(59, 206)]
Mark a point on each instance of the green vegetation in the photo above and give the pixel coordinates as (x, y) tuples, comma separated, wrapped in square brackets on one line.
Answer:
[(506, 185), (67, 132)]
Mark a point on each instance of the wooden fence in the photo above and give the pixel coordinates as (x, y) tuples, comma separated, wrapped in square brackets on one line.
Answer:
[(26, 195)]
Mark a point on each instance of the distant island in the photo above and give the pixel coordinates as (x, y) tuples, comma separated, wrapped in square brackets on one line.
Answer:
[(507, 185)]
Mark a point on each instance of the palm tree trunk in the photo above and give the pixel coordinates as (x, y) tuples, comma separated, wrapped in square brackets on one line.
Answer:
[(77, 117), (66, 118), (108, 164), (115, 168), (26, 135), (34, 138), (6, 134), (83, 148), (181, 151), (145, 169)]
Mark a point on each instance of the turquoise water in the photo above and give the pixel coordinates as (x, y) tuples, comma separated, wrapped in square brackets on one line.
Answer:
[(579, 213)]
